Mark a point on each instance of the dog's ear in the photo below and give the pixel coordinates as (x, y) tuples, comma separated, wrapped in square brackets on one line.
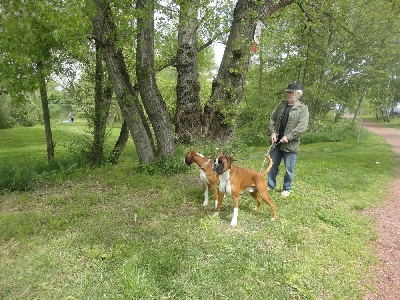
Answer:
[(229, 160)]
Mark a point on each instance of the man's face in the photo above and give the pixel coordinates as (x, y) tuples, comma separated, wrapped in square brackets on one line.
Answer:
[(291, 97)]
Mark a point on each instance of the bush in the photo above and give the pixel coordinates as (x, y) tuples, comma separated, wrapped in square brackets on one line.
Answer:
[(29, 176), (5, 111), (328, 131), (252, 132), (165, 165)]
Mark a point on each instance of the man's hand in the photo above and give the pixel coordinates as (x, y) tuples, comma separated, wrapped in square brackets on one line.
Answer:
[(272, 137), (284, 140)]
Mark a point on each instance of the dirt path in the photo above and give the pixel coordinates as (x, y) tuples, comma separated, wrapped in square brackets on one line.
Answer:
[(388, 216)]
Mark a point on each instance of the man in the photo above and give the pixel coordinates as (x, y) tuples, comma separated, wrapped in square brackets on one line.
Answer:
[(288, 121)]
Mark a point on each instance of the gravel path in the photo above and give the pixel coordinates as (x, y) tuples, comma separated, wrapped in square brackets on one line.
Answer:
[(388, 244)]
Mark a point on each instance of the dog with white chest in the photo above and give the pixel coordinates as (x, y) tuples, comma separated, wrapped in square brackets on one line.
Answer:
[(234, 179), (208, 177)]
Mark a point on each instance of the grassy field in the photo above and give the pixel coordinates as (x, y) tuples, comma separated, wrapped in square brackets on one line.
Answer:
[(114, 233), (394, 122)]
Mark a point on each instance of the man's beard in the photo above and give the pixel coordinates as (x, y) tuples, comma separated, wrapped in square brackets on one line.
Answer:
[(290, 101)]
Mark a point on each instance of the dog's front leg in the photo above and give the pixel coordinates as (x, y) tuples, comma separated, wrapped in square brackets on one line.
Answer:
[(219, 203), (216, 195), (205, 188), (235, 210)]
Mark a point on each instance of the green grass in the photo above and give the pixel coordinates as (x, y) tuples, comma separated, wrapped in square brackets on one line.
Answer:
[(113, 233)]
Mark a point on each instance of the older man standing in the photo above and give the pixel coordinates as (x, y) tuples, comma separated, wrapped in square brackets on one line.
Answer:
[(288, 121)]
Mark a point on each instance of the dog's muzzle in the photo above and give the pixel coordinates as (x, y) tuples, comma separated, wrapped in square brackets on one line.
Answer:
[(187, 160), (218, 167)]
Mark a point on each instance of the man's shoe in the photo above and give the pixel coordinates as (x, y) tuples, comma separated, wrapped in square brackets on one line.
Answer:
[(284, 194)]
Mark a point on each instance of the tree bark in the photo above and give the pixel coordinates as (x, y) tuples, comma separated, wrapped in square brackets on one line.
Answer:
[(102, 102), (153, 102), (127, 97), (120, 144), (188, 117), (46, 113), (227, 89)]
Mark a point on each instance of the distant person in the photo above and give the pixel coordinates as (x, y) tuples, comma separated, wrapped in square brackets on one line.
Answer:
[(287, 122), (70, 117)]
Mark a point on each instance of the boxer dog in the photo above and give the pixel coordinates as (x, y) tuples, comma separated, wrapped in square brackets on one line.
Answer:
[(208, 177), (234, 179)]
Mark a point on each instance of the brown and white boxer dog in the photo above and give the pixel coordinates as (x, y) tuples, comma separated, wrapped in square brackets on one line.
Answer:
[(208, 177), (233, 180)]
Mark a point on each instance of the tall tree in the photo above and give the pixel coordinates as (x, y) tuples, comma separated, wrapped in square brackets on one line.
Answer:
[(128, 98), (147, 85), (227, 91), (33, 39), (335, 48)]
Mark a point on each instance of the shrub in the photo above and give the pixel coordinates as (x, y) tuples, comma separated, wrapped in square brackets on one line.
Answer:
[(165, 165)]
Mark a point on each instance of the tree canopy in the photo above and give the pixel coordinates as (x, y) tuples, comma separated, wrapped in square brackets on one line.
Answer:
[(158, 58)]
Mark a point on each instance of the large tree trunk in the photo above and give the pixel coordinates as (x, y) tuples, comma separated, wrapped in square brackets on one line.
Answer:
[(102, 102), (46, 113), (153, 102), (188, 118), (227, 89), (127, 97)]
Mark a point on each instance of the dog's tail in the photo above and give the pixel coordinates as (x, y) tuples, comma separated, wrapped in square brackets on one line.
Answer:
[(265, 172)]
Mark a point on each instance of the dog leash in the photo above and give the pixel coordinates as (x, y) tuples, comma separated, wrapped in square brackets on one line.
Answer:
[(273, 145)]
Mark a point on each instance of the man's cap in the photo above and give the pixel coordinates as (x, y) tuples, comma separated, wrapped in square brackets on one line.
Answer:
[(293, 86)]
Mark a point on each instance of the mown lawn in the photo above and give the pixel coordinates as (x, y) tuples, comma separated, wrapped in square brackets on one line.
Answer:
[(114, 233)]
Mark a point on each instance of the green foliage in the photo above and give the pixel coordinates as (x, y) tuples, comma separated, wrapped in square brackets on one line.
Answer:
[(80, 148), (13, 179), (336, 49), (5, 112), (46, 31), (328, 131), (59, 112), (164, 165), (252, 126), (252, 129), (29, 176)]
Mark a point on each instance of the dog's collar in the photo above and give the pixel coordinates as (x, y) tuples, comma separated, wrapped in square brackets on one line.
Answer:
[(205, 164)]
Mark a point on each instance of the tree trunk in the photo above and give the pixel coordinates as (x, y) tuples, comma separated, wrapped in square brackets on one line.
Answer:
[(188, 118), (120, 144), (127, 97), (102, 102), (360, 104), (153, 102), (46, 113), (227, 89)]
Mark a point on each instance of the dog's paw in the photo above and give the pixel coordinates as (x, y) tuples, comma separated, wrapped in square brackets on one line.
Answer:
[(216, 214), (233, 223), (205, 203), (273, 219)]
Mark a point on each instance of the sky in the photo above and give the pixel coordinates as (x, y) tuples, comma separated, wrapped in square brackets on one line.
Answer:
[(218, 52)]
